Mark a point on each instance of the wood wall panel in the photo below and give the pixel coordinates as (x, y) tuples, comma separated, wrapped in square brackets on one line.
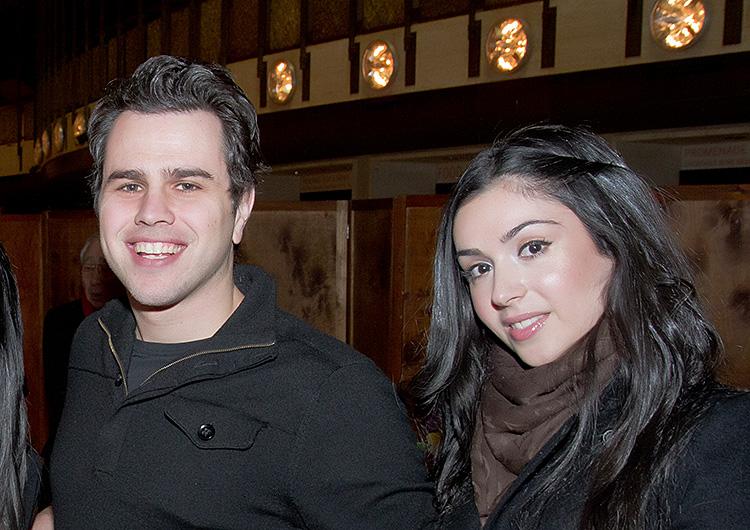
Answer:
[(23, 238), (210, 41), (326, 22), (422, 220), (243, 30), (382, 13), (135, 48), (153, 38), (284, 24), (180, 33), (716, 234), (431, 9), (370, 282), (299, 245)]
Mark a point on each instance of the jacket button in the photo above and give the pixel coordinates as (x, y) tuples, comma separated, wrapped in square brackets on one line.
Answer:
[(206, 432), (118, 381)]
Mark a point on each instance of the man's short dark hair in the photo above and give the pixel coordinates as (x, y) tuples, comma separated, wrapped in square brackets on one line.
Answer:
[(166, 84)]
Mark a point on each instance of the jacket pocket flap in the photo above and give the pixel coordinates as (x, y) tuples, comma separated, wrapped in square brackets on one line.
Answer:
[(212, 426)]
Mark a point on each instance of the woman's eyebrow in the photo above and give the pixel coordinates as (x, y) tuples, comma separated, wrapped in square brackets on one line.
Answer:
[(510, 234)]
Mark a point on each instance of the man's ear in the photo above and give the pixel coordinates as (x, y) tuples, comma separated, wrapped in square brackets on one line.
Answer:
[(242, 214)]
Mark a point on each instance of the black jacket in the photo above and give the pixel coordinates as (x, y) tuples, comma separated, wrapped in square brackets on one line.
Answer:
[(60, 325), (271, 425), (710, 490), (31, 488)]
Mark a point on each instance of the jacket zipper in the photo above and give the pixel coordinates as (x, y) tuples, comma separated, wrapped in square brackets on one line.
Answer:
[(181, 359), (197, 354), (114, 354)]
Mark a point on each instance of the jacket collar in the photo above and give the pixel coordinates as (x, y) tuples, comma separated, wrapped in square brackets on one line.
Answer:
[(242, 342)]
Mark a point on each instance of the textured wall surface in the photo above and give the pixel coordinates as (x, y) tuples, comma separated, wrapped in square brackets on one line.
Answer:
[(716, 235)]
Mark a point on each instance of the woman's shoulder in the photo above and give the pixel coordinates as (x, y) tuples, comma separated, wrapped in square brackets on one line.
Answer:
[(727, 417), (712, 479), (721, 434)]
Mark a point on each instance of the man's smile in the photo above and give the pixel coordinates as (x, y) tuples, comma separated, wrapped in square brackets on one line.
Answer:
[(156, 249)]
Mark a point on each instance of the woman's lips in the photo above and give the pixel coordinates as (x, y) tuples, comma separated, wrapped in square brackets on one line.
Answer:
[(525, 329)]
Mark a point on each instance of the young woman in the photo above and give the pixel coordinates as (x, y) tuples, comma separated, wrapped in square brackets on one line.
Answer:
[(19, 476), (569, 360)]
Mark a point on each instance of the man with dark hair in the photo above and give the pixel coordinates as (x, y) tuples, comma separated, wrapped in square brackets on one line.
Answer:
[(200, 403)]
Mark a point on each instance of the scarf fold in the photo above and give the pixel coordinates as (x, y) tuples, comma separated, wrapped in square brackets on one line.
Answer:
[(521, 408)]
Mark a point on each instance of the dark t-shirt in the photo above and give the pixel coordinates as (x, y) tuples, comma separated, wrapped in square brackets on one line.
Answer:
[(149, 357)]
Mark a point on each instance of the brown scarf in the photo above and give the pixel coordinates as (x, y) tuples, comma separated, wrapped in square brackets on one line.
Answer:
[(521, 408)]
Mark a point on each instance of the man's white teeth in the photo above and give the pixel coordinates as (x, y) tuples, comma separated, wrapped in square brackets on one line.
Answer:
[(144, 247), (525, 323)]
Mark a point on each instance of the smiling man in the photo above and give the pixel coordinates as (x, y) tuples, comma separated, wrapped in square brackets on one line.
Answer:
[(200, 404)]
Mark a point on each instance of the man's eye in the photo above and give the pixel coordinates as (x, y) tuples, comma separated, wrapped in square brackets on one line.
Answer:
[(533, 248), (130, 188), (187, 186)]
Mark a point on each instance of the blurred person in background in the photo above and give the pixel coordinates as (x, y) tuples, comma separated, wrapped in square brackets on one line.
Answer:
[(98, 286)]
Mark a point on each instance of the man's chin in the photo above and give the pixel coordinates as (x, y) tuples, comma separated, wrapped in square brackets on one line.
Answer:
[(146, 304)]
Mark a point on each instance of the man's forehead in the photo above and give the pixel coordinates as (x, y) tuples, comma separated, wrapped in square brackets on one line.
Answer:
[(170, 142)]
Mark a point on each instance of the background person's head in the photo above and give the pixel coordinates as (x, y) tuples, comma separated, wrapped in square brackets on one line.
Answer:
[(13, 424), (167, 84), (97, 280)]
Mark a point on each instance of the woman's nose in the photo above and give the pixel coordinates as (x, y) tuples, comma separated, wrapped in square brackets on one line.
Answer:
[(507, 288)]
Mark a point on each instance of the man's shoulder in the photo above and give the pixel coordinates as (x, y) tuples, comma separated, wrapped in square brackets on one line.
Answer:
[(92, 329), (313, 345)]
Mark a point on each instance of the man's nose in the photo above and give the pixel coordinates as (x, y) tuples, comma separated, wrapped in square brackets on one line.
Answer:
[(154, 208)]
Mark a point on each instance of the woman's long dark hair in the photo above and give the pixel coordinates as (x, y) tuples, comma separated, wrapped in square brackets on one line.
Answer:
[(667, 349), (13, 426)]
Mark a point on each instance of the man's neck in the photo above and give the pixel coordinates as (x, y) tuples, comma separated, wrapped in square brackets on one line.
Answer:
[(189, 320)]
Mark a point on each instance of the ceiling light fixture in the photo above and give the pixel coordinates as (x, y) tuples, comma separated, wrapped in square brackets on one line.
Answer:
[(80, 132), (378, 64), (281, 82), (507, 45), (676, 24)]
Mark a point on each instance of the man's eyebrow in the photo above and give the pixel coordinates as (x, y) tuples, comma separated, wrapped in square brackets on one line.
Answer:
[(187, 172), (510, 234), (131, 174)]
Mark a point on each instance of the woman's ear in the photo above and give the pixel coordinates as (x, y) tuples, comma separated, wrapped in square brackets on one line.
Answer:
[(242, 214)]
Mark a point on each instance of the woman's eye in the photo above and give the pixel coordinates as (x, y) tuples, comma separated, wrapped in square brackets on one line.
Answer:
[(478, 270), (533, 248)]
